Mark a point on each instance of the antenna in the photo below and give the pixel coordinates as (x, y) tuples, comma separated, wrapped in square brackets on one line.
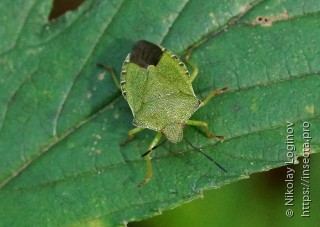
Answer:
[(155, 147), (205, 155)]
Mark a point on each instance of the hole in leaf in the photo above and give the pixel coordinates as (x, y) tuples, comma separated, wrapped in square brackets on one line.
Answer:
[(263, 21)]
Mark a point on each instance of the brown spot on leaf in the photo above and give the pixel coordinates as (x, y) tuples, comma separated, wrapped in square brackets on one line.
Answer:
[(265, 21)]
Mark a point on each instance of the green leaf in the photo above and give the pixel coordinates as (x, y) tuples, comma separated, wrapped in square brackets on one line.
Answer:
[(62, 118)]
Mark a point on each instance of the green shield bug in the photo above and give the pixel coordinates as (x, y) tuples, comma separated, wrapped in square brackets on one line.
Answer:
[(158, 88)]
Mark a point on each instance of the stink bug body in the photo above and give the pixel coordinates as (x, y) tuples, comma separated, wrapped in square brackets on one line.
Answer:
[(158, 88)]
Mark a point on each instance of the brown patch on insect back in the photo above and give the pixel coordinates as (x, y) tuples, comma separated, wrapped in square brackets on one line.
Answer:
[(145, 53), (264, 21)]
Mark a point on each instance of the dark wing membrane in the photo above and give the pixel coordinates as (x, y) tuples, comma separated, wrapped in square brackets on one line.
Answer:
[(145, 53)]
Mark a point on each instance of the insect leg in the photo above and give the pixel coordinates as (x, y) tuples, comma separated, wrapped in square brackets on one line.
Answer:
[(153, 144), (195, 70), (131, 134), (113, 74), (212, 94), (206, 128)]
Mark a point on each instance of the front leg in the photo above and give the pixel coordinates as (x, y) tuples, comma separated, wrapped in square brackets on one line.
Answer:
[(113, 74), (132, 135), (206, 128), (212, 94)]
